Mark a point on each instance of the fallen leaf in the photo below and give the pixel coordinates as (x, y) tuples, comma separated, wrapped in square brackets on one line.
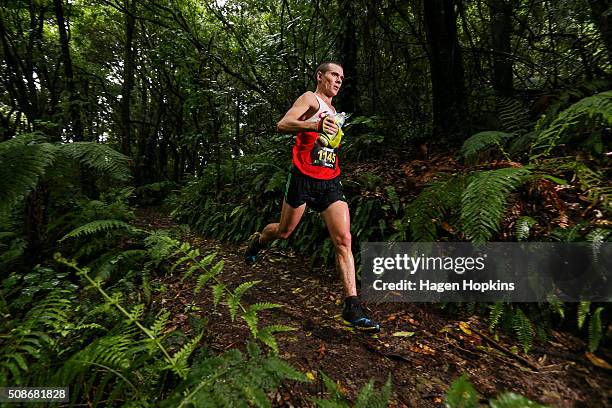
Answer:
[(403, 334), (599, 362), (465, 327), (321, 350)]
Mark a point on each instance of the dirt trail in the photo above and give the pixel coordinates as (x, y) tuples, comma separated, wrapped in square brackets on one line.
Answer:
[(421, 365)]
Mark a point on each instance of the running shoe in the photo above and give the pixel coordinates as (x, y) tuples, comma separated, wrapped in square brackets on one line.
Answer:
[(354, 316), (253, 247)]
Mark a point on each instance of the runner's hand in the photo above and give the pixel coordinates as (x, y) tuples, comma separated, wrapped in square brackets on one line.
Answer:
[(328, 126)]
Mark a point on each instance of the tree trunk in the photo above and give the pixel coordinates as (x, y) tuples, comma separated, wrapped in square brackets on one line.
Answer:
[(348, 56), (501, 27), (75, 114), (128, 77), (447, 79)]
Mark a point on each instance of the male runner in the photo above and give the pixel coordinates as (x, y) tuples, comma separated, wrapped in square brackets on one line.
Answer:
[(314, 180)]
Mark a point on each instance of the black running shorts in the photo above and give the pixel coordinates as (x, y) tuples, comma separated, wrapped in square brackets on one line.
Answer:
[(317, 194)]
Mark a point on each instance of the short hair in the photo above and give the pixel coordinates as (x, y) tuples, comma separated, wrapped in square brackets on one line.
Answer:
[(324, 67)]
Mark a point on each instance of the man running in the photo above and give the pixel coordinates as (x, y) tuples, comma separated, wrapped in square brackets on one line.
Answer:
[(314, 180)]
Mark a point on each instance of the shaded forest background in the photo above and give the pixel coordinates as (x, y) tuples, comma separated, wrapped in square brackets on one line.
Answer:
[(472, 120)]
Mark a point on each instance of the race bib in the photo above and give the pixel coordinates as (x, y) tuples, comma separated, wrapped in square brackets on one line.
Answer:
[(324, 156)]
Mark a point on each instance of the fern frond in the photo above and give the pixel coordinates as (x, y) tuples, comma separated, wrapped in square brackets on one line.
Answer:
[(512, 114), (523, 328), (523, 227), (99, 157), (461, 393), (266, 335), (160, 323), (234, 300), (513, 400), (218, 291), (205, 277), (480, 142), (556, 305), (180, 366), (598, 105), (595, 330), (95, 227), (584, 307), (595, 184), (484, 199), (21, 168), (432, 206), (497, 309)]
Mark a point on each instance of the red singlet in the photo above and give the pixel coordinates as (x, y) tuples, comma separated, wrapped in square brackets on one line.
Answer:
[(309, 157)]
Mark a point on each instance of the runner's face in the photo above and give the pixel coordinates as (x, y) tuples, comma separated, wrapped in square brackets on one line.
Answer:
[(331, 81)]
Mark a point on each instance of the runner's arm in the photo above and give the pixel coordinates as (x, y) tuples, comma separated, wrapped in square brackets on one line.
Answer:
[(291, 123)]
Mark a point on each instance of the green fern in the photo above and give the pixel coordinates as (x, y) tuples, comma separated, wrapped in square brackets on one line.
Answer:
[(250, 316), (523, 226), (99, 157), (367, 396), (599, 105), (513, 400), (208, 275), (512, 115), (233, 301), (523, 328), (266, 335), (481, 142), (179, 359), (96, 227), (484, 199), (496, 311), (556, 305), (23, 164), (595, 184), (584, 307), (230, 380), (436, 202), (461, 394), (595, 330)]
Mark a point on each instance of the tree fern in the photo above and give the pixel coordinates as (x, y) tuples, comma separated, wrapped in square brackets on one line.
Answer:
[(484, 199), (599, 105), (481, 142)]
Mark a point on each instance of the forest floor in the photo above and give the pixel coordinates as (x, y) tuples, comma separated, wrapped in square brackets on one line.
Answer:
[(422, 363)]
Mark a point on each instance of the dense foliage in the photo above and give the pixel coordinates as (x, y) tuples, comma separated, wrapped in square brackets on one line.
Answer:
[(108, 104)]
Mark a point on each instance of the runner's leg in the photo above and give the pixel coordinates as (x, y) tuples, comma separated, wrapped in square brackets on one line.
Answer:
[(290, 218), (337, 219)]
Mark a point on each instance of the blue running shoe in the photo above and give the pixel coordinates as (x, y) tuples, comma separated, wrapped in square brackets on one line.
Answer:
[(253, 247), (354, 316)]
